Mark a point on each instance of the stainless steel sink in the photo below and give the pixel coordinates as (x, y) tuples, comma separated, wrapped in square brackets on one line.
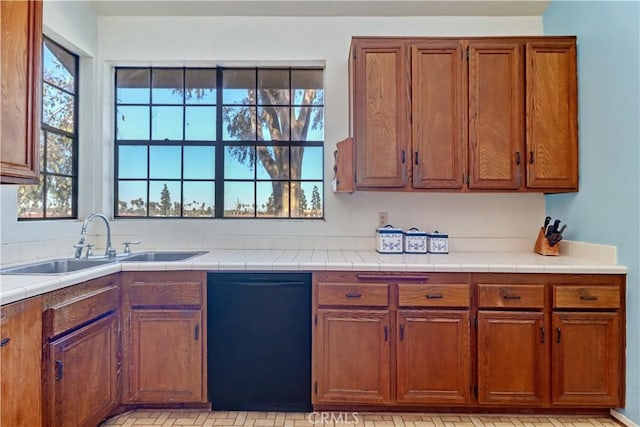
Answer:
[(161, 256), (56, 266)]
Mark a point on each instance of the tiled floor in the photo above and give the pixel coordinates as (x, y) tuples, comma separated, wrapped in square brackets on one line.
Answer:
[(186, 418)]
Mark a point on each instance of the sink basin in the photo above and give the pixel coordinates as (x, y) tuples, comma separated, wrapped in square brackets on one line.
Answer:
[(56, 266), (162, 256)]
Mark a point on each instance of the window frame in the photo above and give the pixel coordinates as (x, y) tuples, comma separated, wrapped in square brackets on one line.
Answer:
[(46, 129), (219, 145)]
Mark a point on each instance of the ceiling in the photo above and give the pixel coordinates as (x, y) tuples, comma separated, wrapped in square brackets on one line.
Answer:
[(320, 7)]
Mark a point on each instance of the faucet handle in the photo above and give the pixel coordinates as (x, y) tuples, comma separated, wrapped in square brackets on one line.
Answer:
[(89, 249), (127, 248)]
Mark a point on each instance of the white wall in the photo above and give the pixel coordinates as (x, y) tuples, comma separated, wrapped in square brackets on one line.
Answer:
[(350, 220)]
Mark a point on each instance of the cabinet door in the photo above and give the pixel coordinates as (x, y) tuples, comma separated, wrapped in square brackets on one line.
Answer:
[(165, 348), (428, 376), (380, 112), (21, 27), (586, 359), (496, 115), (21, 362), (513, 365), (552, 118), (438, 114), (82, 374), (352, 364)]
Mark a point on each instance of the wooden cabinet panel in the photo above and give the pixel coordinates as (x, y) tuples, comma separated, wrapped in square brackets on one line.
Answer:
[(496, 114), (510, 296), (353, 294), (438, 82), (603, 296), (380, 112), (82, 374), (513, 366), (21, 28), (21, 362), (165, 351), (352, 359), (586, 359), (448, 295), (552, 120), (433, 357)]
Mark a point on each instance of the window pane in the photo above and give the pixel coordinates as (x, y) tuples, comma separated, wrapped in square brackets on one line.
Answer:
[(132, 198), (307, 87), (164, 198), (238, 199), (239, 123), (306, 199), (132, 123), (167, 86), (57, 108), (274, 124), (43, 134), (58, 66), (59, 154), (59, 196), (199, 199), (239, 87), (273, 199), (239, 162), (199, 163), (201, 124), (315, 130), (167, 123), (273, 87), (133, 86), (201, 86), (165, 162), (273, 162), (132, 161), (306, 162), (31, 200)]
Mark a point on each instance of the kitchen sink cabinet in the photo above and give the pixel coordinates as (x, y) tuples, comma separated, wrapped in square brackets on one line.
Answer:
[(20, 362), (20, 64), (81, 353), (485, 114), (164, 337)]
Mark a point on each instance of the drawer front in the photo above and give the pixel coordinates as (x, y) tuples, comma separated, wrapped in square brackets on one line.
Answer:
[(447, 295), (353, 294), (72, 313), (569, 296), (510, 296), (180, 293)]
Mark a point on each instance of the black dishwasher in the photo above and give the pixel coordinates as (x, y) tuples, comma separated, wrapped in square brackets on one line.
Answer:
[(259, 341)]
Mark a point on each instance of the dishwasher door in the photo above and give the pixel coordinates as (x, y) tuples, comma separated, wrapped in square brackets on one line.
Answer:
[(259, 341)]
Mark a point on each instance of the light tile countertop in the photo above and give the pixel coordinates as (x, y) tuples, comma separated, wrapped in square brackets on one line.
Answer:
[(17, 287)]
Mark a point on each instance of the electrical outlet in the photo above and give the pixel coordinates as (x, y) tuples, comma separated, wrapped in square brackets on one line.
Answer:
[(383, 219)]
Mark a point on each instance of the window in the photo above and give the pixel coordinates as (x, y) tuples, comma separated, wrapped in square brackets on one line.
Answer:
[(56, 194), (219, 142)]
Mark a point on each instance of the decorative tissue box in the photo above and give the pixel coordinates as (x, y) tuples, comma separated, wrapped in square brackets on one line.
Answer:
[(415, 241), (389, 240), (438, 243)]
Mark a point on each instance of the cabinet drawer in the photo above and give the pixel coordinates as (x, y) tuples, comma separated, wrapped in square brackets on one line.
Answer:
[(449, 295), (605, 296), (510, 296), (358, 294), (69, 314), (178, 293)]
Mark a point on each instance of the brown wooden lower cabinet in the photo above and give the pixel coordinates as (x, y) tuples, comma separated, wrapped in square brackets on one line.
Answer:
[(586, 359), (83, 370), (433, 360), (353, 356), (513, 366), (21, 363)]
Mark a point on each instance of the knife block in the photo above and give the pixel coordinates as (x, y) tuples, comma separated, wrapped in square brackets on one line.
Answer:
[(542, 245)]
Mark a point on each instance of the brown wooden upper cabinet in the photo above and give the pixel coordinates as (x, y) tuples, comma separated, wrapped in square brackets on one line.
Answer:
[(21, 27), (487, 114)]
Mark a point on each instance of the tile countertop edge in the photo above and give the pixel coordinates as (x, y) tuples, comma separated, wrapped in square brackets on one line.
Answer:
[(17, 287)]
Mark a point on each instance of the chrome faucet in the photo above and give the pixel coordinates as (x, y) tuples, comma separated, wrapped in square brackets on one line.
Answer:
[(109, 251)]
